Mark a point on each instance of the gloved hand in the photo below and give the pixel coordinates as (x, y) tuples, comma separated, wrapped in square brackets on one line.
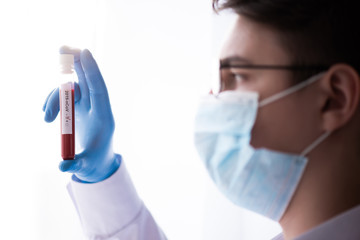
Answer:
[(94, 122)]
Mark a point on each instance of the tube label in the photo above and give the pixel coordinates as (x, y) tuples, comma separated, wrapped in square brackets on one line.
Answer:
[(66, 108)]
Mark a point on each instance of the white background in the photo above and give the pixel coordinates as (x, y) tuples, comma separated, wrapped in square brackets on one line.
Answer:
[(156, 59)]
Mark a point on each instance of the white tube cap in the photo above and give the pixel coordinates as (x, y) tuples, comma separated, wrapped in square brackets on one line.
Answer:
[(66, 63)]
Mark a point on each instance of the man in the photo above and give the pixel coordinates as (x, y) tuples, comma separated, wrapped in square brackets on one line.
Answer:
[(279, 138)]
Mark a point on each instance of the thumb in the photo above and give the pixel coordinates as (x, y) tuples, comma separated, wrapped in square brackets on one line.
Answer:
[(71, 166)]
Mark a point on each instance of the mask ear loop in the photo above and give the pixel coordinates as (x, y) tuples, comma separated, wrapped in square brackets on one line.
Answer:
[(291, 90), (315, 144)]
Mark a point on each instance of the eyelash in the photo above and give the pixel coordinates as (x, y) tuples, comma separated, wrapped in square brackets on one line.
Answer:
[(232, 79)]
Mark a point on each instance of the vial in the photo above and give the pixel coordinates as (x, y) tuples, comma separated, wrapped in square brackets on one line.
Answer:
[(67, 116)]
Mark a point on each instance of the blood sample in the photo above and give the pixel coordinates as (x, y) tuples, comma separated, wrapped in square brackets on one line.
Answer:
[(67, 107)]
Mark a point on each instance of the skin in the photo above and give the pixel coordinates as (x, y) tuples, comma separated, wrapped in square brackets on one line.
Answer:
[(331, 181)]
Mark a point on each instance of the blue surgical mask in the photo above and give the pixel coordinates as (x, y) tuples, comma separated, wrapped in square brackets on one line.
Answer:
[(260, 180)]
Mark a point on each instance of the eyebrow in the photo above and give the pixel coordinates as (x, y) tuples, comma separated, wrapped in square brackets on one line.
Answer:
[(233, 60), (241, 62)]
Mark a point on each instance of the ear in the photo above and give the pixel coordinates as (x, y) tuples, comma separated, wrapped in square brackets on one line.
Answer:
[(342, 90)]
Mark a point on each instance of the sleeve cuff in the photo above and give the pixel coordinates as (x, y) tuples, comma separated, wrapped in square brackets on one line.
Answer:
[(107, 206)]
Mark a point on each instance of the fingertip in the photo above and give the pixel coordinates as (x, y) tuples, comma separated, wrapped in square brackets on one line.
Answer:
[(86, 52), (69, 166), (63, 166), (86, 56)]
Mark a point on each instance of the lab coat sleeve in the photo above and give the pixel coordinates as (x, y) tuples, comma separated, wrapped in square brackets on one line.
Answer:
[(111, 209)]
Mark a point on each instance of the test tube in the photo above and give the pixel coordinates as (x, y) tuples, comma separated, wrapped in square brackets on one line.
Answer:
[(67, 106)]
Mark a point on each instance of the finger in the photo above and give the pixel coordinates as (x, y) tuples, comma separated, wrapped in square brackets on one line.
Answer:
[(47, 98), (97, 88), (79, 71), (93, 75), (52, 106), (71, 166)]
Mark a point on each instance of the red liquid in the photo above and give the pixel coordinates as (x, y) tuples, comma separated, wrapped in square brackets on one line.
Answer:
[(68, 140)]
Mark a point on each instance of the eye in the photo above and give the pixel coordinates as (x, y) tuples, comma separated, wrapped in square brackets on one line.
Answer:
[(239, 77), (232, 78)]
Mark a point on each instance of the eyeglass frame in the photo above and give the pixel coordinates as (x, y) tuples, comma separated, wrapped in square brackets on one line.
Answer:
[(223, 65), (227, 65)]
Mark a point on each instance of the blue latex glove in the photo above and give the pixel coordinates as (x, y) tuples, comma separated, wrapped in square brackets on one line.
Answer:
[(94, 121)]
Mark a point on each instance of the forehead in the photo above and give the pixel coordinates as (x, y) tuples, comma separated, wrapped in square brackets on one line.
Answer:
[(257, 43)]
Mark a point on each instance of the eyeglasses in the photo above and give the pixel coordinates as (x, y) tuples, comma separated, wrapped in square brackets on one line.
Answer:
[(228, 79)]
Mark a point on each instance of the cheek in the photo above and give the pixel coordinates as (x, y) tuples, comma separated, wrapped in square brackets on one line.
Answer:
[(286, 125)]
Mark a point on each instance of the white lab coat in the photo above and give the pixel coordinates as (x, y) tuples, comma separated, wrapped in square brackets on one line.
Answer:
[(112, 209)]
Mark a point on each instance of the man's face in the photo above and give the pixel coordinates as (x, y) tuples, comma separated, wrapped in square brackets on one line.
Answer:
[(289, 124)]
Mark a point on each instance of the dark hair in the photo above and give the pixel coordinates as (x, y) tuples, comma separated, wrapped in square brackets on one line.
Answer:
[(315, 32)]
